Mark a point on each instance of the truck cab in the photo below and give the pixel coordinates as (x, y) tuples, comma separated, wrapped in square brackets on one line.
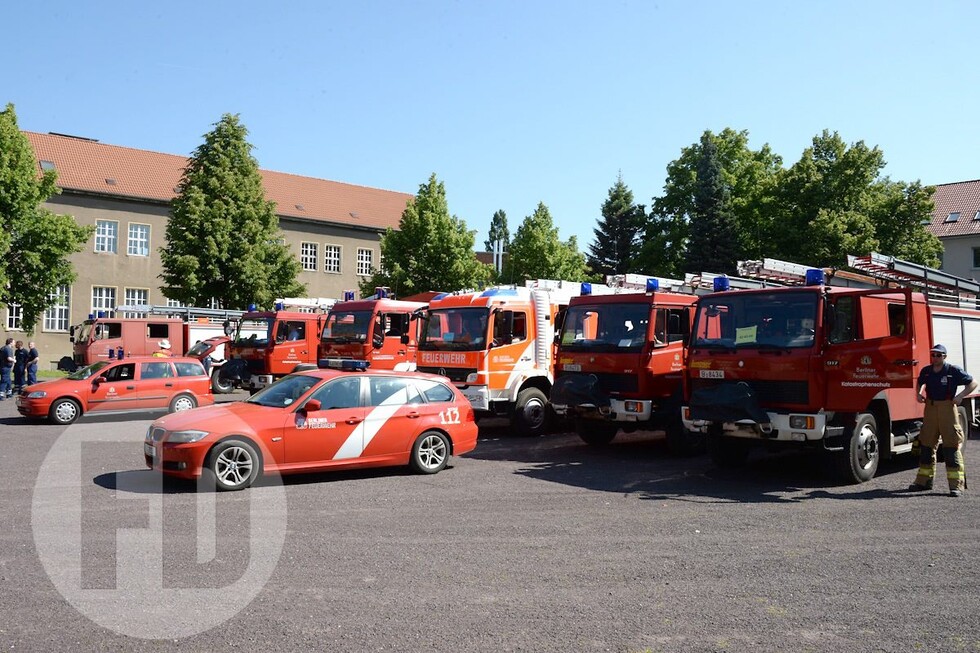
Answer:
[(382, 331)]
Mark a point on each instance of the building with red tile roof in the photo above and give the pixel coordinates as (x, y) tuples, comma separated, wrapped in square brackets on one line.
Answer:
[(956, 222)]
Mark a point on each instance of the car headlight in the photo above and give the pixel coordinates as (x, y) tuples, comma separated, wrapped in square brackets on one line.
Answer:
[(37, 394), (186, 436)]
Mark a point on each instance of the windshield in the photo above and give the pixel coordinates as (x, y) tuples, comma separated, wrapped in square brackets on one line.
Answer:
[(85, 372), (254, 332), (203, 347), (607, 328), (784, 320), (83, 332), (285, 391), (346, 326), (455, 329)]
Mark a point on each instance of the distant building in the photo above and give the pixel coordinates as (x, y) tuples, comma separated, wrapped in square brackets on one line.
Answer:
[(956, 222), (334, 229)]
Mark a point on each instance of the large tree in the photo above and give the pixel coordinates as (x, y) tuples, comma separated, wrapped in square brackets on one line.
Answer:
[(536, 252), (901, 212), (713, 244), (35, 244), (618, 232), (223, 239), (431, 250)]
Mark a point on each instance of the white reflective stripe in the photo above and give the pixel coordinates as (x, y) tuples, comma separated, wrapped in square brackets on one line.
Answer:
[(361, 437), (517, 371)]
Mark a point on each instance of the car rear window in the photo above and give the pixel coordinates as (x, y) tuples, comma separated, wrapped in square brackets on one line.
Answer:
[(393, 391), (435, 391), (156, 370), (191, 368)]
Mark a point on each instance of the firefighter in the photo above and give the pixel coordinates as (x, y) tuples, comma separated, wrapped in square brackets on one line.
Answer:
[(164, 350), (941, 421)]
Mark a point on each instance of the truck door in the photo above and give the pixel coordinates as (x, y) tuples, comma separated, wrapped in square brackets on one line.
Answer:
[(392, 345), (869, 352), (293, 345)]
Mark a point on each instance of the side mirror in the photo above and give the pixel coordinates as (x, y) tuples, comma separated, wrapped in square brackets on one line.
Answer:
[(404, 339), (312, 406), (99, 380), (378, 340)]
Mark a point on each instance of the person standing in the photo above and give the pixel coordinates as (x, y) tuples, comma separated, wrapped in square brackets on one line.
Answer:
[(20, 366), (6, 363), (33, 358), (941, 421)]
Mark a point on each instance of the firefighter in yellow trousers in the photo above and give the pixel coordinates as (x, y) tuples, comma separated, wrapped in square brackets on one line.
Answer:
[(941, 421)]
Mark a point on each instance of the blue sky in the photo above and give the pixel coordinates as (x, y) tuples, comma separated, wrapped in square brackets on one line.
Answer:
[(509, 103)]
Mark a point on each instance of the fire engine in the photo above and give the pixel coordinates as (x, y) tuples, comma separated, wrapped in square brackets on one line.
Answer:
[(379, 329), (497, 346), (271, 344), (828, 364)]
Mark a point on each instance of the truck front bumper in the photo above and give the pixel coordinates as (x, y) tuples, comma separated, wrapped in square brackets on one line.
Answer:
[(789, 427)]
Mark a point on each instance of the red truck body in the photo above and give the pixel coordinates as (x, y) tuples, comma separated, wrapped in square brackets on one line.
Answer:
[(95, 338), (383, 332)]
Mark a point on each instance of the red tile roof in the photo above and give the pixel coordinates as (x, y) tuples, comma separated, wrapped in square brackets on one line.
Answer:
[(86, 165), (962, 197)]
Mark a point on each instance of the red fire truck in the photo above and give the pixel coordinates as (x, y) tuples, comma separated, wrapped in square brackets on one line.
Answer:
[(825, 366), (378, 329)]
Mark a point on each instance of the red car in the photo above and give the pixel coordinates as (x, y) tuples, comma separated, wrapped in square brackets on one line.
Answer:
[(130, 385), (317, 420)]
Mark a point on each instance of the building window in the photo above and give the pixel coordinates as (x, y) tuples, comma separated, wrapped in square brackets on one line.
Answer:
[(364, 260), (106, 236), (976, 257), (136, 297), (57, 315), (308, 256), (331, 258), (976, 216), (15, 314), (139, 239), (953, 217), (173, 303), (103, 300)]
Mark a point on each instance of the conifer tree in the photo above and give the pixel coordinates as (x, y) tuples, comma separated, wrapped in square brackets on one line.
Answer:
[(617, 234), (713, 245)]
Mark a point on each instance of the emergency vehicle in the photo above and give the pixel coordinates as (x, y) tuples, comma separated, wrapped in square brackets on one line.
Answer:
[(497, 346), (318, 420), (827, 366), (620, 360), (271, 344), (380, 329)]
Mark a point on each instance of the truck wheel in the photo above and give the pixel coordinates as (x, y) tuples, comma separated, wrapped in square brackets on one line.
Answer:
[(430, 453), (682, 442), (727, 453), (233, 465), (596, 432), (862, 452), (182, 402), (530, 413), (64, 411), (221, 386)]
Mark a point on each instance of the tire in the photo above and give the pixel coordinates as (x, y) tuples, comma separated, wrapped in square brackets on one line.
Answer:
[(726, 452), (964, 422), (530, 416), (858, 463), (430, 453), (233, 465), (64, 411), (182, 402), (221, 386), (596, 432), (682, 442)]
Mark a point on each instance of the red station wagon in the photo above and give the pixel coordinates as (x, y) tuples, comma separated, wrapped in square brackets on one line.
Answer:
[(133, 384), (317, 420)]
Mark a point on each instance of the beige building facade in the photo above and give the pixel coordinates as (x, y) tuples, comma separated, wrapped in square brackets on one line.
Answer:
[(333, 229)]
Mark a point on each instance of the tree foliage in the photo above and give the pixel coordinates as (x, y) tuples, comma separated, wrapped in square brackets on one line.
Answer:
[(617, 235), (713, 244), (223, 239), (432, 250), (536, 252), (498, 232), (35, 244)]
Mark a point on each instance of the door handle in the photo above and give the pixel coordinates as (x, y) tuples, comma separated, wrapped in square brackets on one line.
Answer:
[(168, 385), (354, 420), (413, 416), (903, 362), (130, 387)]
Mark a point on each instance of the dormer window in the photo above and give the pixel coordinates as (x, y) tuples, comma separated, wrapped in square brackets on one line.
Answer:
[(953, 217)]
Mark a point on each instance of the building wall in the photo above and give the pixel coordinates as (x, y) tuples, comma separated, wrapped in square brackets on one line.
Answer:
[(958, 256), (122, 270)]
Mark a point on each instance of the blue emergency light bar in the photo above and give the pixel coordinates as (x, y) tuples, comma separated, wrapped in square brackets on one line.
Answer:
[(499, 292), (344, 364), (721, 283), (280, 306), (586, 288), (653, 285), (381, 292), (348, 295), (252, 308), (814, 277)]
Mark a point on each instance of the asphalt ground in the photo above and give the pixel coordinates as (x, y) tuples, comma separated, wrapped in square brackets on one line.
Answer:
[(537, 544)]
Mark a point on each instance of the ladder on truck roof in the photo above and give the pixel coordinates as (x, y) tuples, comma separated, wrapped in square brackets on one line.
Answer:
[(188, 313), (940, 287), (305, 304)]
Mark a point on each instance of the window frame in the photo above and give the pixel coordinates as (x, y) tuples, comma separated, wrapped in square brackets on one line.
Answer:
[(110, 312), (104, 238), (58, 313), (365, 261), (309, 262), (130, 240), (128, 302), (328, 247)]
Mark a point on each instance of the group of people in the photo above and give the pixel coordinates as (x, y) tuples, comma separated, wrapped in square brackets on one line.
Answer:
[(22, 362)]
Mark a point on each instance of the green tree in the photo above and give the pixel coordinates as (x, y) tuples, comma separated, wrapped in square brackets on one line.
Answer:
[(618, 232), (498, 231), (536, 252), (902, 211), (713, 244), (35, 244), (432, 250), (223, 239)]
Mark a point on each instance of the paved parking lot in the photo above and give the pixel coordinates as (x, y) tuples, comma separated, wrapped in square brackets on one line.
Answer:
[(524, 545)]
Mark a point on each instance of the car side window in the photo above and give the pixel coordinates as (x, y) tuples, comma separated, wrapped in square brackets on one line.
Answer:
[(436, 392), (340, 393), (121, 373), (190, 369), (389, 391), (158, 370)]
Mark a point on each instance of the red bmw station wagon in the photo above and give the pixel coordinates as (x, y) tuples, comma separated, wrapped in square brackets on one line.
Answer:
[(317, 420)]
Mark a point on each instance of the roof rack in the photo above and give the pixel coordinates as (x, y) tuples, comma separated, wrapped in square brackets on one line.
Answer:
[(770, 269), (189, 313), (939, 286)]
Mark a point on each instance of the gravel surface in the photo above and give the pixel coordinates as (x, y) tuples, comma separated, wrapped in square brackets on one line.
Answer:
[(523, 545)]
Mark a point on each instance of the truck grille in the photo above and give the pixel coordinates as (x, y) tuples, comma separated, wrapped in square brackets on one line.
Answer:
[(608, 382), (455, 374), (257, 366), (767, 392)]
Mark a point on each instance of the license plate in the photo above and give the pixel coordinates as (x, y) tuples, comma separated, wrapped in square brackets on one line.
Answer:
[(149, 450), (573, 367), (712, 374)]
